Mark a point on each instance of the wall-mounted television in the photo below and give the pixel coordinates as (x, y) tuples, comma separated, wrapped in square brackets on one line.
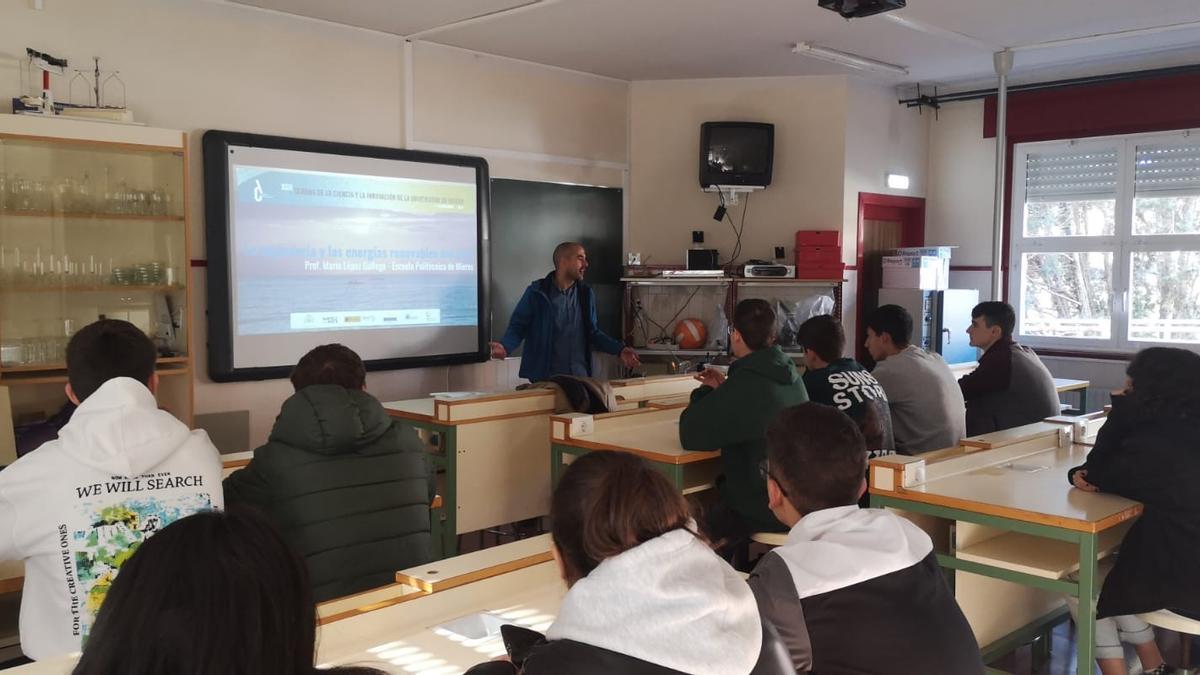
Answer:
[(311, 242), (736, 153)]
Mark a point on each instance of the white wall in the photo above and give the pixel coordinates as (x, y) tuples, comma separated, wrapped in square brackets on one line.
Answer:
[(198, 65), (882, 137), (962, 181), (666, 202)]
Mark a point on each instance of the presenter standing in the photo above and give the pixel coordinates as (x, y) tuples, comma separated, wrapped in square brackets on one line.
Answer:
[(557, 318)]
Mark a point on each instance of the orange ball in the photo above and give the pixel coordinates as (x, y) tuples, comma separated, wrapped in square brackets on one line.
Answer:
[(690, 334)]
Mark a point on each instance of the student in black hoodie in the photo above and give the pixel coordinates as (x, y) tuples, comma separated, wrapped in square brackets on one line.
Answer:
[(843, 383), (646, 595), (1149, 450), (852, 591)]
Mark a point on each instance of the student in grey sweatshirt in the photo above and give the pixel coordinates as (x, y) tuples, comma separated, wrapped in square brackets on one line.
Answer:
[(928, 412)]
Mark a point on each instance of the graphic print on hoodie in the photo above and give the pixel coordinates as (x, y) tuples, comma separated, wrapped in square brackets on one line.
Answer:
[(78, 507)]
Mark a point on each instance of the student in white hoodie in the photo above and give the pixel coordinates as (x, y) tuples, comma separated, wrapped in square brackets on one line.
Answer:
[(853, 591), (646, 595), (77, 507)]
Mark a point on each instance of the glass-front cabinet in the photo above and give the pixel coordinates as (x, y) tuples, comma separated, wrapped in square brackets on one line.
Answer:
[(93, 224)]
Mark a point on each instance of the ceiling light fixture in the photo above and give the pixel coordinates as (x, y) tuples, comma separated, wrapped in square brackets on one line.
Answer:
[(847, 59)]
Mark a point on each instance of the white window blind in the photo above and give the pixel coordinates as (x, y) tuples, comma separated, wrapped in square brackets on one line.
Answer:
[(1162, 168), (1071, 174)]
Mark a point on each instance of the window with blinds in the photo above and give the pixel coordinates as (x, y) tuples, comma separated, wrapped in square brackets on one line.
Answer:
[(1107, 251)]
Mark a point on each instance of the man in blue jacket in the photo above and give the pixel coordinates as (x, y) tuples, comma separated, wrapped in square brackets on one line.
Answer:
[(557, 318)]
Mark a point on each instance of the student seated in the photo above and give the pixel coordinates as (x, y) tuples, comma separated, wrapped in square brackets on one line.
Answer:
[(843, 383), (1149, 450), (853, 591), (731, 415), (645, 593), (1011, 386), (349, 486), (927, 406), (120, 471), (212, 593)]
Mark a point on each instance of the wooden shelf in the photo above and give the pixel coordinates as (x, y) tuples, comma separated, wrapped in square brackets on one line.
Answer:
[(70, 215), (104, 288), (61, 377), (1038, 556), (52, 367)]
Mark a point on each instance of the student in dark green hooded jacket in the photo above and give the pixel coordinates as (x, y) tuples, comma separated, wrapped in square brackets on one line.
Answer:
[(349, 486), (731, 413)]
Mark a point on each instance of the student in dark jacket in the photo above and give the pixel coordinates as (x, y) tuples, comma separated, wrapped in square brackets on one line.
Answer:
[(1011, 386), (843, 383), (645, 594), (853, 591), (557, 320), (731, 415), (1149, 450), (349, 486)]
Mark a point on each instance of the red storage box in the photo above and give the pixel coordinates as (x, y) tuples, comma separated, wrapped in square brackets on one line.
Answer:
[(818, 255), (818, 238), (827, 271)]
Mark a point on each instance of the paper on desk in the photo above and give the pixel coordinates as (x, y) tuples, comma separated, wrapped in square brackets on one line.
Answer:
[(455, 394)]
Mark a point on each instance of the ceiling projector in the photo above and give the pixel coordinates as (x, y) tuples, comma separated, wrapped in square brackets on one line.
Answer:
[(856, 9)]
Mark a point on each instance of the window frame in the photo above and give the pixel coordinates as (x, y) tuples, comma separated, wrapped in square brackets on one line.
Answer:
[(1123, 243)]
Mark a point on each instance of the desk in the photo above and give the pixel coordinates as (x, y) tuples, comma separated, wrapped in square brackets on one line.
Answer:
[(1063, 385), (1016, 521), (1085, 427), (396, 637), (652, 434), (233, 461), (12, 576), (490, 446), (493, 447)]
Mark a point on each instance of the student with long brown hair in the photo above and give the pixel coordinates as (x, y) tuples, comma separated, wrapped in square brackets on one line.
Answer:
[(212, 594), (646, 594)]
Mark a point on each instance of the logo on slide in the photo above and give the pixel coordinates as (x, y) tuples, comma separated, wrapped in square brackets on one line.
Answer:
[(258, 191)]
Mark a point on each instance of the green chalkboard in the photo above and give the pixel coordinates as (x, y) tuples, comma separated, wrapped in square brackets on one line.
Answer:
[(530, 218)]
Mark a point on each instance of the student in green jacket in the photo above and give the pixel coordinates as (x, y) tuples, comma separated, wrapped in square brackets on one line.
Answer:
[(347, 485), (732, 414)]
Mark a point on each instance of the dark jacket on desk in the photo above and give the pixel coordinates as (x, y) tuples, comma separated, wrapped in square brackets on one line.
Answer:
[(733, 418), (1011, 387), (859, 592), (349, 487), (1140, 455), (668, 606), (533, 322)]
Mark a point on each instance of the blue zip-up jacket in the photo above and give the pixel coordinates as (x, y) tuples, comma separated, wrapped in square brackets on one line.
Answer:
[(533, 322)]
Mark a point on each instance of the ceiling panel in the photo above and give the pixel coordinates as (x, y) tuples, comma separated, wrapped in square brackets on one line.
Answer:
[(664, 39), (401, 17)]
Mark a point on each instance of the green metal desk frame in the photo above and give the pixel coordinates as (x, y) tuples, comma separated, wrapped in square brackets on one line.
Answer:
[(445, 531), (1086, 587)]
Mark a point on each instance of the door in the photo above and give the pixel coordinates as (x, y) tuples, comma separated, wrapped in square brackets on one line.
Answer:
[(885, 222), (954, 315)]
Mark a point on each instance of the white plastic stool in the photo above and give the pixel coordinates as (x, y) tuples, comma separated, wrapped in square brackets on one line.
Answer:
[(1169, 620), (771, 538)]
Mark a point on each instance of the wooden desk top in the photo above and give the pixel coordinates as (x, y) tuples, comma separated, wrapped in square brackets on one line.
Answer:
[(1024, 481), (651, 433), (1062, 384), (420, 409), (12, 576), (468, 568), (395, 639)]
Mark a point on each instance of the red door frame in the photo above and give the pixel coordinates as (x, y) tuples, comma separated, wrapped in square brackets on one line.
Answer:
[(910, 211)]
